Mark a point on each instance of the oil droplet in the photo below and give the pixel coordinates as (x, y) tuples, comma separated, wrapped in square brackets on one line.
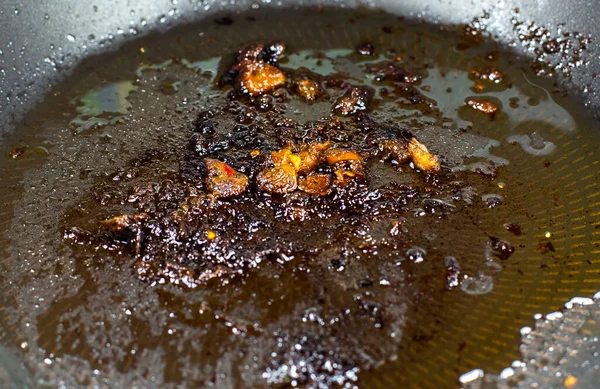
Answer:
[(548, 234), (71, 38), (416, 254), (479, 284)]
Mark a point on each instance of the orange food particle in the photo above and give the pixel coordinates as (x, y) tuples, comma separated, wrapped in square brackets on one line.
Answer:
[(308, 89), (277, 180), (484, 105), (477, 87), (259, 78), (210, 235), (422, 158), (570, 381), (311, 156), (284, 158), (334, 156), (254, 153)]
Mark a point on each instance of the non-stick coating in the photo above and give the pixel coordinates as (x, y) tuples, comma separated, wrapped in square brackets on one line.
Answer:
[(40, 41)]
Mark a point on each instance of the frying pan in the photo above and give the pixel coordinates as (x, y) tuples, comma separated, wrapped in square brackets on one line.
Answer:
[(42, 43)]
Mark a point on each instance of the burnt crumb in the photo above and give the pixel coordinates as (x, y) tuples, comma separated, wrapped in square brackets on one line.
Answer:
[(513, 228), (502, 248), (224, 21), (486, 74), (78, 235), (545, 246), (126, 229), (17, 152), (487, 78), (272, 52), (366, 48), (223, 181), (256, 71), (393, 71), (394, 150), (307, 84), (316, 184), (308, 89), (355, 99), (487, 105), (277, 180), (453, 273)]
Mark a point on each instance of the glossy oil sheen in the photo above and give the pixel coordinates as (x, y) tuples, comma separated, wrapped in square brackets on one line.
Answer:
[(81, 316)]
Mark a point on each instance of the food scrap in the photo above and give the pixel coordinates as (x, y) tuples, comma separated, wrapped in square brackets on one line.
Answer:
[(256, 71), (315, 184), (487, 74), (223, 181), (263, 164), (122, 223), (395, 150), (283, 177), (483, 104), (366, 49), (258, 78), (17, 152), (355, 99), (422, 158)]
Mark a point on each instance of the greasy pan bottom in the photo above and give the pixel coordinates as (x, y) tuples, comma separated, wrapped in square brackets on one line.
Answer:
[(79, 316)]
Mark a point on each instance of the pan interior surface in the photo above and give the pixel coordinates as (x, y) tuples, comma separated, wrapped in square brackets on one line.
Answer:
[(380, 315)]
